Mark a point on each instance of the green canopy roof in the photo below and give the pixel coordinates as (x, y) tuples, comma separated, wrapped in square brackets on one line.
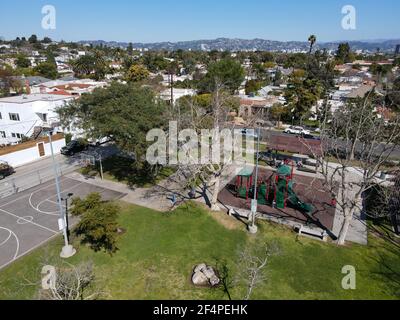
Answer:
[(246, 172), (284, 171)]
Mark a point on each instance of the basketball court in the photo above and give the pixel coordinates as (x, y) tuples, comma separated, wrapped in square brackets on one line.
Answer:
[(30, 218)]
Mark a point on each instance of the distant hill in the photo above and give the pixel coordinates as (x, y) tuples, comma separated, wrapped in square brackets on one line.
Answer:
[(255, 44)]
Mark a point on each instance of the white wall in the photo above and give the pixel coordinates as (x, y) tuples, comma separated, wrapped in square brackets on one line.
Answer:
[(30, 116), (22, 157)]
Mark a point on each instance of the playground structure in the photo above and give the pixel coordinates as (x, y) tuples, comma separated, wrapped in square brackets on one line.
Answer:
[(277, 190)]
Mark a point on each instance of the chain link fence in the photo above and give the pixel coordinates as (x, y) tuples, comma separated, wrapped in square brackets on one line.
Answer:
[(13, 185), (21, 182)]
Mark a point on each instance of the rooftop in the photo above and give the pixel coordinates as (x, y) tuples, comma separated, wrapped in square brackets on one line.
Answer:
[(359, 92), (28, 98)]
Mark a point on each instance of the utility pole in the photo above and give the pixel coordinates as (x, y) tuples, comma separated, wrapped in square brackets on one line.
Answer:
[(254, 204), (68, 250), (172, 87)]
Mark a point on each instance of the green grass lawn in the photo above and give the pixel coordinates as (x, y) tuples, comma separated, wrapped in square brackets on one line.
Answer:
[(121, 169), (158, 251)]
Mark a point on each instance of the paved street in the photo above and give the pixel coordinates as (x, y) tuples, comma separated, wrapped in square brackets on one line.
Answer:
[(267, 134), (42, 171)]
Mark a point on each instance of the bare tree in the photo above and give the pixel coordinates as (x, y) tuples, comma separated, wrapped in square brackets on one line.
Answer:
[(72, 283), (356, 145), (198, 171), (251, 264)]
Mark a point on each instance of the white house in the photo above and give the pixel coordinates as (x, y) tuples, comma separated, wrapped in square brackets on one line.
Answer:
[(177, 94), (21, 115)]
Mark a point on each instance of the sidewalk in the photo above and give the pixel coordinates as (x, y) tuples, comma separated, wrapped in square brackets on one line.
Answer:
[(138, 196)]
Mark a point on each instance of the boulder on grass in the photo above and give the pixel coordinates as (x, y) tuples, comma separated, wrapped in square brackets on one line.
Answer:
[(199, 279), (204, 275)]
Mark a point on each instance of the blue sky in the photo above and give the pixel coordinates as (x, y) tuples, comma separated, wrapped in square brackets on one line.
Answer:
[(175, 20)]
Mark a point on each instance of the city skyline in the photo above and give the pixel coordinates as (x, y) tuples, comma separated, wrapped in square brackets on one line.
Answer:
[(158, 21)]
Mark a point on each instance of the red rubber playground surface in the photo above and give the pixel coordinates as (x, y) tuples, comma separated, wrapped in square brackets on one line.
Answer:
[(308, 189), (30, 218)]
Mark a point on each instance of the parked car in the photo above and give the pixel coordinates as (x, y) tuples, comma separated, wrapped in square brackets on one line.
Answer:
[(297, 130), (74, 147), (5, 170)]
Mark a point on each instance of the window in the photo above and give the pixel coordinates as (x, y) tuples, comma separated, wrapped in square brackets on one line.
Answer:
[(2, 134), (17, 135), (14, 116)]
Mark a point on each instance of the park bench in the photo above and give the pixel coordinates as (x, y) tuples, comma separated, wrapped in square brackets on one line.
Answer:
[(311, 232)]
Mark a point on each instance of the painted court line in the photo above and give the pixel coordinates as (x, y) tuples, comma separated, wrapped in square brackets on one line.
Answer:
[(27, 195), (48, 199), (29, 251), (52, 202), (16, 239), (34, 223)]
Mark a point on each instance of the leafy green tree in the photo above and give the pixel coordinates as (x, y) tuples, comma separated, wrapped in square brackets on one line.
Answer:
[(302, 94), (137, 73), (129, 49), (260, 73), (380, 70), (296, 61), (47, 70), (344, 54), (98, 222), (33, 39), (278, 78), (393, 97), (47, 40), (22, 61), (269, 65), (226, 72), (90, 65), (253, 86), (123, 113), (8, 82), (279, 112), (84, 65), (154, 62)]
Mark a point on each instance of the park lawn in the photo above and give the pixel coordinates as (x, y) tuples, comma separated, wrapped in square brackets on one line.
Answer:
[(121, 169), (158, 251)]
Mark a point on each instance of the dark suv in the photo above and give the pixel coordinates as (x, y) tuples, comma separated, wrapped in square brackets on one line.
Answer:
[(74, 147), (5, 170)]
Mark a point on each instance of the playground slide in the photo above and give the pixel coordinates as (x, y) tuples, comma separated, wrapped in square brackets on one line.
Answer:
[(297, 203)]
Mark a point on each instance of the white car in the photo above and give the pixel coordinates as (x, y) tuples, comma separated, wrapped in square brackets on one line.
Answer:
[(297, 130)]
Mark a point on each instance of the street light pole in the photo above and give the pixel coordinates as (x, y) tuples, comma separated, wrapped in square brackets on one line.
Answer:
[(101, 168), (252, 227), (68, 250), (66, 212)]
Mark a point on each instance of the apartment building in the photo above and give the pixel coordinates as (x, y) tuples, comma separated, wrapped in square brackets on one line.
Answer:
[(21, 116)]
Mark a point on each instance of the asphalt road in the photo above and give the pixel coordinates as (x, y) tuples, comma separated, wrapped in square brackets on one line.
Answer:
[(41, 171), (395, 154)]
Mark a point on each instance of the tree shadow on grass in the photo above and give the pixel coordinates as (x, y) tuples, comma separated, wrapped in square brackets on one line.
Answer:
[(387, 266), (125, 169), (225, 275)]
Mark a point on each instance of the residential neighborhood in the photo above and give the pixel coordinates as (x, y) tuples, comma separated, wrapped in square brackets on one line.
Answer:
[(213, 170)]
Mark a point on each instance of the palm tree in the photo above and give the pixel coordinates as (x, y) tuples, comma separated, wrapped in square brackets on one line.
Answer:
[(312, 40), (90, 65)]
